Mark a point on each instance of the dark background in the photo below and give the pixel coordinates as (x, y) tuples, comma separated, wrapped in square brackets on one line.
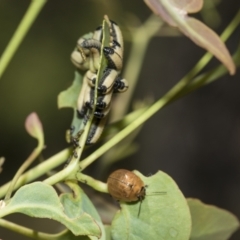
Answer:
[(196, 140)]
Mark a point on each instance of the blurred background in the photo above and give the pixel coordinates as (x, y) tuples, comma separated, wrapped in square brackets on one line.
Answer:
[(196, 140)]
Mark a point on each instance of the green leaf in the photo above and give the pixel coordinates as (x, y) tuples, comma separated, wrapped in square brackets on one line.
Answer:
[(162, 216), (75, 207), (210, 222), (41, 200), (68, 97), (108, 232), (67, 235)]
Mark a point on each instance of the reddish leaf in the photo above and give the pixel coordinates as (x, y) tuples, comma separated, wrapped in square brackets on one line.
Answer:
[(174, 12), (33, 126)]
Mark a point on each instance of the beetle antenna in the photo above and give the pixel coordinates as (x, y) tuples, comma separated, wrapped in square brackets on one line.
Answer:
[(156, 193), (139, 210)]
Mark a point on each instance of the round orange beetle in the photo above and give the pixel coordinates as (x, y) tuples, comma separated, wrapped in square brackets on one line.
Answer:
[(124, 185)]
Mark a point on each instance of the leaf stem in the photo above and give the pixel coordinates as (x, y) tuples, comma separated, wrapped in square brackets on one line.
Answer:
[(38, 171), (27, 21), (33, 234), (95, 184), (24, 166)]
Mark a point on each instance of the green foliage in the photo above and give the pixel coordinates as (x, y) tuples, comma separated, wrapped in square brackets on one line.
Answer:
[(68, 99), (41, 200), (67, 235), (74, 207), (210, 222)]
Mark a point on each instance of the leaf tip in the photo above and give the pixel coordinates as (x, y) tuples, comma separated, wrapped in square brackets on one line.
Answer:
[(33, 126)]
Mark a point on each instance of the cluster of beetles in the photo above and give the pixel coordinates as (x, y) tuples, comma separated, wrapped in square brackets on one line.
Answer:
[(86, 57)]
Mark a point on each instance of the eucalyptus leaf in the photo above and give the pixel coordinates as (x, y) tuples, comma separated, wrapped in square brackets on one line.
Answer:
[(175, 13), (108, 232), (41, 200), (162, 216), (210, 222), (34, 127), (67, 235), (68, 97), (75, 207)]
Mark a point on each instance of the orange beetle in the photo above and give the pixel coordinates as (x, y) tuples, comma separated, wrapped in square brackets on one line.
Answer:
[(124, 185)]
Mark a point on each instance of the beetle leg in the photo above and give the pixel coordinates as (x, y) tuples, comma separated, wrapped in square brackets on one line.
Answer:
[(120, 85), (102, 113)]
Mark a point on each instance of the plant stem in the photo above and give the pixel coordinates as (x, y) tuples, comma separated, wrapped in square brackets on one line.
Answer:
[(63, 174), (38, 171), (24, 166), (30, 233), (95, 184), (23, 230), (27, 21)]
